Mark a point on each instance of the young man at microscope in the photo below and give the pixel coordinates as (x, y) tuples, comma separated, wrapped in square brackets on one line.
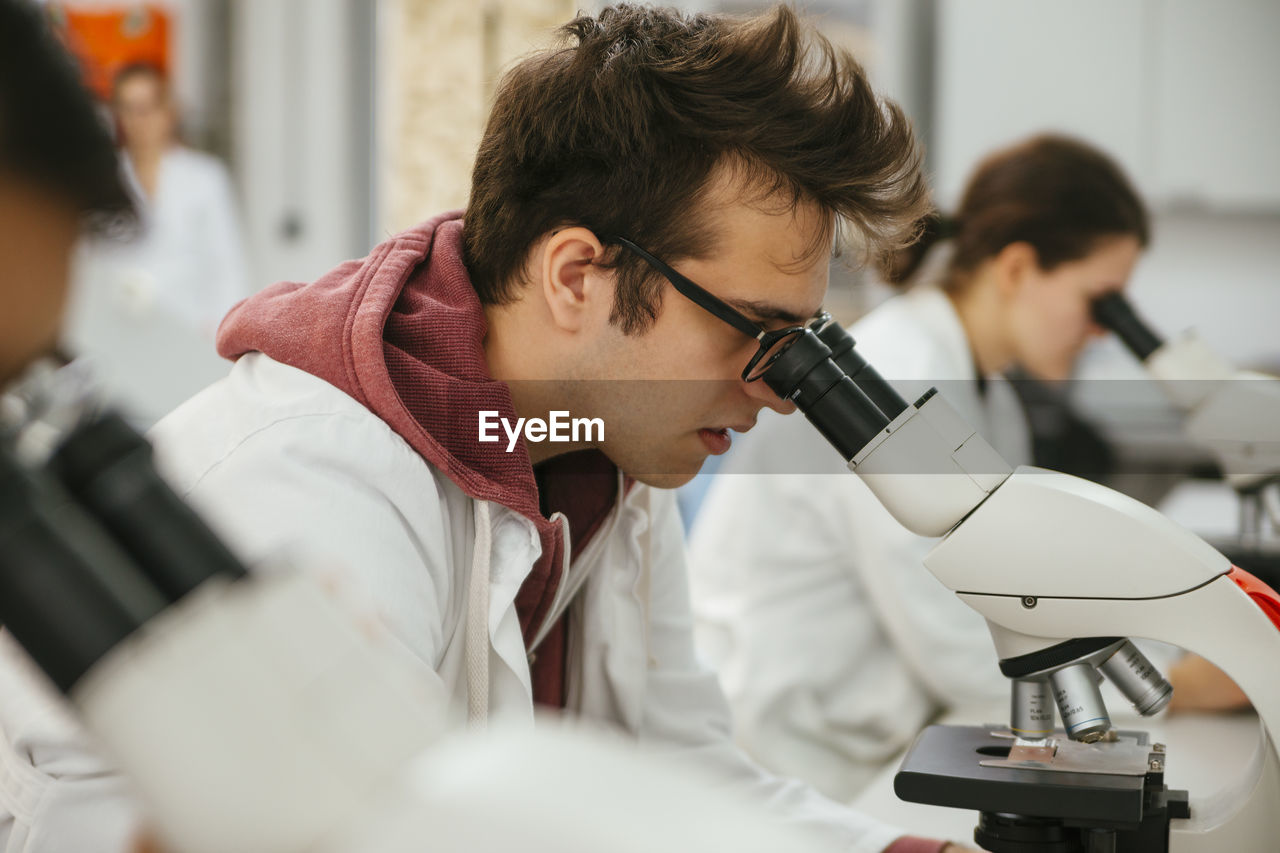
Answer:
[(395, 420)]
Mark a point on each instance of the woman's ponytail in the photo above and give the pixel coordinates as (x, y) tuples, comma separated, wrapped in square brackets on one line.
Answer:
[(900, 266)]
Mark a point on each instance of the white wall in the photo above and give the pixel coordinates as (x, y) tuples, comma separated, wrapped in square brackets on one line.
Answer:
[(302, 118), (1181, 92)]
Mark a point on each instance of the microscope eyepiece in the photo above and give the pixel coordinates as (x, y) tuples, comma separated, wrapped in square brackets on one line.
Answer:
[(107, 466), (806, 375), (866, 377), (1112, 311), (93, 542), (68, 593)]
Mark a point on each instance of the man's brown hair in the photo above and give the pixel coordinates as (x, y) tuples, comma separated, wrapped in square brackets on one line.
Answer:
[(620, 130)]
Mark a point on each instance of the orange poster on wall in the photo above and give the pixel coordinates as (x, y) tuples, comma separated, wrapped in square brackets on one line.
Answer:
[(105, 37)]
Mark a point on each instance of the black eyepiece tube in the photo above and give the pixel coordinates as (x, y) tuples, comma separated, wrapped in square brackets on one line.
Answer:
[(107, 466), (806, 375), (860, 371), (67, 593), (1114, 312)]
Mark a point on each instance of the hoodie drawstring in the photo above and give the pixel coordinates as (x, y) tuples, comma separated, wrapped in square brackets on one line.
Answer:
[(477, 639)]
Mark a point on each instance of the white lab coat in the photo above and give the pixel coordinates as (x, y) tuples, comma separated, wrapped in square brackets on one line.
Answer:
[(285, 466), (833, 642), (189, 262), (164, 292)]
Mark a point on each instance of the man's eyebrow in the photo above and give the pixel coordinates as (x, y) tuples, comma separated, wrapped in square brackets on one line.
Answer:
[(766, 311)]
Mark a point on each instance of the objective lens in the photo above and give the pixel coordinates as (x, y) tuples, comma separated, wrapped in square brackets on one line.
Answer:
[(1075, 689), (1031, 711), (1138, 679)]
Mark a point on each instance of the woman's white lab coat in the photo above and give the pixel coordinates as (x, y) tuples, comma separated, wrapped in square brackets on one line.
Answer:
[(284, 464), (145, 310), (833, 642), (189, 263)]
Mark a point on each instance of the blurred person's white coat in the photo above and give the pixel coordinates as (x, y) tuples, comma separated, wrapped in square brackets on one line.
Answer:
[(189, 263), (145, 311)]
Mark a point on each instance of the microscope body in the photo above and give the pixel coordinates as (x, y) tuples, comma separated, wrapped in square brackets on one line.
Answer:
[(1064, 571), (1052, 560), (1073, 575)]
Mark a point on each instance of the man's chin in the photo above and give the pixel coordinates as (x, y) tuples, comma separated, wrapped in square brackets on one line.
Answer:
[(672, 475), (668, 468)]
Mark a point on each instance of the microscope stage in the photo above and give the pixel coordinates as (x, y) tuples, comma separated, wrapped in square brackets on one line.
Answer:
[(1101, 784)]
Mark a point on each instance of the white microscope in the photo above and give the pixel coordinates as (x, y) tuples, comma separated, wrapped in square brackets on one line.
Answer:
[(1064, 570), (1234, 413)]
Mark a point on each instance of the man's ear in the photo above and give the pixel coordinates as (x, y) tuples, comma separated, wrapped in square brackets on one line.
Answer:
[(574, 284), (1015, 265)]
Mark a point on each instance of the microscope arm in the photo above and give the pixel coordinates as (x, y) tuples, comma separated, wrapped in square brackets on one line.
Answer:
[(1034, 535), (1031, 535), (1047, 549)]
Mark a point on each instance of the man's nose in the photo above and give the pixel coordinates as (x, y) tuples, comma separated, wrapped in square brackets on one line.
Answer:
[(761, 392)]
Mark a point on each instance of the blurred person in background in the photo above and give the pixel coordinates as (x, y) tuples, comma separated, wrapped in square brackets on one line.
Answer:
[(346, 435), (145, 311), (834, 644), (189, 265)]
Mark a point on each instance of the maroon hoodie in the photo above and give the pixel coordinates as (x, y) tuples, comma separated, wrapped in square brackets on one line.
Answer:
[(402, 332)]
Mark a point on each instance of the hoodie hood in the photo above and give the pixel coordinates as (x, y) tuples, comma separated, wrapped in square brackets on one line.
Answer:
[(402, 331)]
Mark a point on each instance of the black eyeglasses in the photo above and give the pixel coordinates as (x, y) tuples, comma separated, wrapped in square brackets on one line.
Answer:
[(773, 343)]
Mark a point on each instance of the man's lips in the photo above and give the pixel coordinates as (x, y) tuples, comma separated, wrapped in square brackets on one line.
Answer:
[(717, 439)]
